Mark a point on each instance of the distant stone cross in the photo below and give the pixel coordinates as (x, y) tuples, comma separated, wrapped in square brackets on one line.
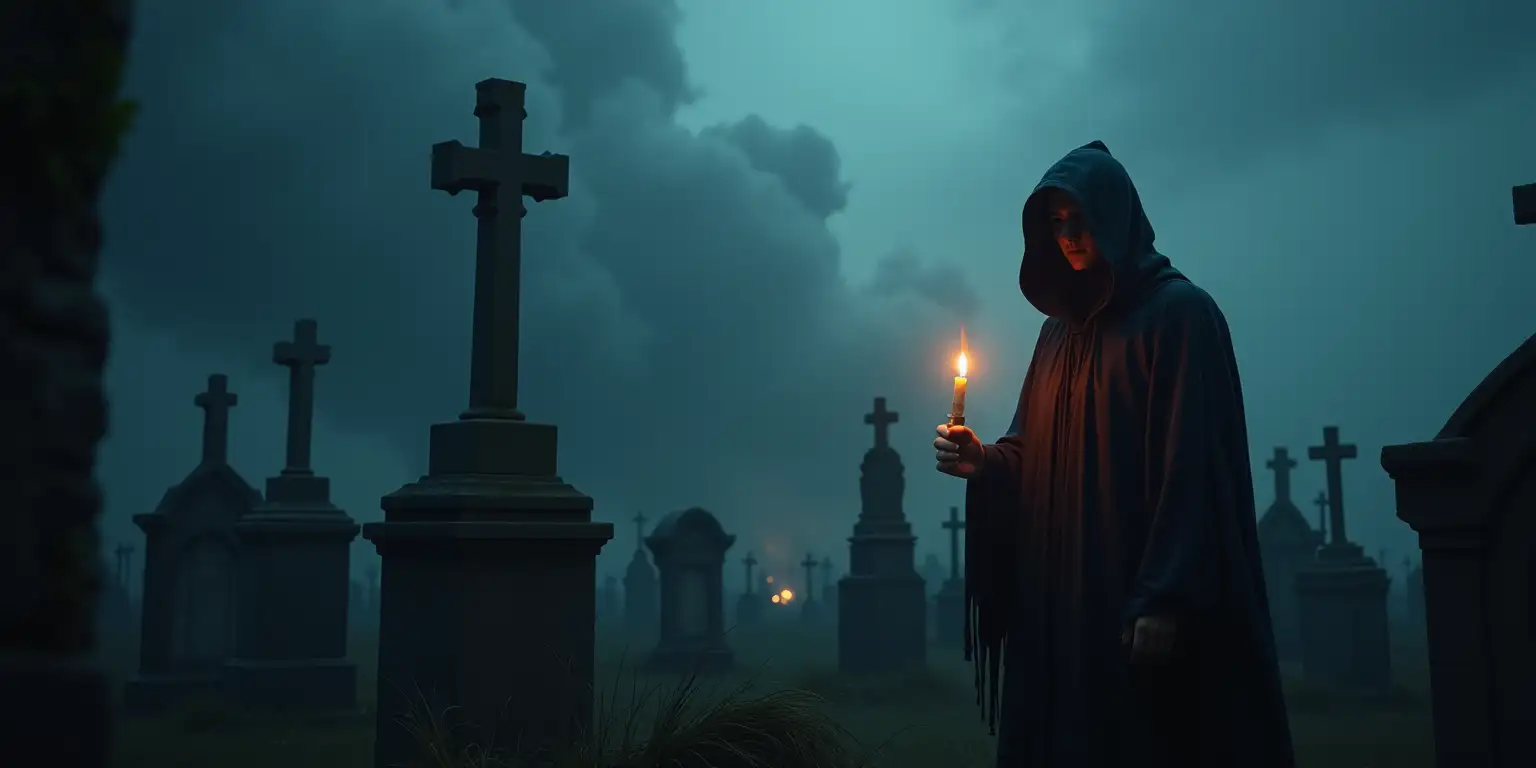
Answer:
[(1525, 204), (216, 403), (639, 521), (1282, 464), (882, 420), (750, 562), (502, 174), (954, 525), (1333, 453), (301, 356), (809, 564), (1321, 502)]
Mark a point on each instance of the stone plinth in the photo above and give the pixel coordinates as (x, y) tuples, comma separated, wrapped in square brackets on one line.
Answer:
[(1344, 631), (293, 581), (949, 614), (488, 597), (689, 547), (1470, 494)]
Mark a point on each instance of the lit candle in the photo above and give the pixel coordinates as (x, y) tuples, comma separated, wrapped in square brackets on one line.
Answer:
[(957, 404)]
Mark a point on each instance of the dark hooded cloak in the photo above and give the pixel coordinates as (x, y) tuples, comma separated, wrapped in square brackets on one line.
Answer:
[(1121, 490)]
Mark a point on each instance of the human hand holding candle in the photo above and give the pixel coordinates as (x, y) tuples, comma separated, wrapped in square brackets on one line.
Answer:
[(956, 449)]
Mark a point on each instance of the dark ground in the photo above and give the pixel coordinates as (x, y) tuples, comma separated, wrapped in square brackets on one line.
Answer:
[(913, 721)]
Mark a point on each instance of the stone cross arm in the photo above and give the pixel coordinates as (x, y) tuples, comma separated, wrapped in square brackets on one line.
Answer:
[(1525, 204), (499, 161), (882, 420)]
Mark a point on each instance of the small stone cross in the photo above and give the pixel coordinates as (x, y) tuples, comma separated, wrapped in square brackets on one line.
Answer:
[(639, 521), (300, 357), (809, 564), (501, 173), (1321, 502), (1333, 453), (216, 402), (882, 421), (954, 525), (1282, 464), (750, 562), (1525, 204)]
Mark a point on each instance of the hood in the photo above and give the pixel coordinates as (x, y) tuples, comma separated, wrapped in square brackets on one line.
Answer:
[(1129, 267)]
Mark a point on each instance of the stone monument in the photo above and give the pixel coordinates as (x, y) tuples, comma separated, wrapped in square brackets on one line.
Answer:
[(749, 607), (491, 518), (1342, 596), (1288, 545), (810, 607), (295, 569), (690, 547), (187, 629), (949, 603), (1470, 494), (642, 596), (882, 606)]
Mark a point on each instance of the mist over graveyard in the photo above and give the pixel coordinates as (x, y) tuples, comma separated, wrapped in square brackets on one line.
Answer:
[(780, 216)]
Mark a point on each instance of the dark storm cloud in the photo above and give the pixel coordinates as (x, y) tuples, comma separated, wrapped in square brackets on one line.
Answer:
[(687, 323), (902, 271), (1232, 78)]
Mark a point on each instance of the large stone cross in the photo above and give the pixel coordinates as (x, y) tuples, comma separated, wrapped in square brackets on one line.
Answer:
[(216, 402), (501, 173), (1333, 453), (1525, 204), (300, 357), (639, 521), (954, 525), (750, 562), (1282, 464), (882, 421), (809, 564), (1321, 502)]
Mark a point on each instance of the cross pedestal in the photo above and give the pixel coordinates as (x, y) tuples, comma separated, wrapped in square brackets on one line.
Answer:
[(294, 572), (949, 602), (749, 607), (1343, 596), (489, 583)]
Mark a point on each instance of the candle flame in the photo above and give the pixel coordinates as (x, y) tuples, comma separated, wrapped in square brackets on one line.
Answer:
[(962, 363)]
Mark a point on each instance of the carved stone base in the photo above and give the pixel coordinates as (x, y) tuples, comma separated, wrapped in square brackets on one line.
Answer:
[(488, 594), (882, 624), (1344, 630)]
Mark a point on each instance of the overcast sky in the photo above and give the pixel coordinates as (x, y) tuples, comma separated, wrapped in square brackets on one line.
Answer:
[(780, 210)]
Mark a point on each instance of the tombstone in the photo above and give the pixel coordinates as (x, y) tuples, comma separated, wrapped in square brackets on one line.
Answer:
[(187, 628), (1413, 595), (1470, 494), (828, 592), (608, 600), (642, 594), (882, 623), (54, 335), (949, 603), (1342, 596), (749, 607), (690, 547), (933, 573), (492, 517), (295, 569), (810, 607), (1287, 546)]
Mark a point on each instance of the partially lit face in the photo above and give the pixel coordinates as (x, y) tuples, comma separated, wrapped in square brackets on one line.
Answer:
[(1071, 231)]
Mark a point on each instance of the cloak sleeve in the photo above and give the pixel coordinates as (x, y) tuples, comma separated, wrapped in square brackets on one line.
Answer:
[(1196, 459)]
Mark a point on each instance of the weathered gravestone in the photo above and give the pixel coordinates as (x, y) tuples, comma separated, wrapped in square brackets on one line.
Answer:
[(492, 518), (190, 558), (61, 68), (690, 551), (642, 595), (1342, 596), (949, 603), (1470, 493), (295, 565), (1288, 546), (1413, 594), (749, 607), (810, 608), (882, 620)]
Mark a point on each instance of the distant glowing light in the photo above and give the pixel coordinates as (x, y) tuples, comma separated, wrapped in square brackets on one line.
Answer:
[(786, 595), (770, 579), (775, 599)]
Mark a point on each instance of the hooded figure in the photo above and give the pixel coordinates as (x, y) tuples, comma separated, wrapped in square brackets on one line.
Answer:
[(1112, 566)]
